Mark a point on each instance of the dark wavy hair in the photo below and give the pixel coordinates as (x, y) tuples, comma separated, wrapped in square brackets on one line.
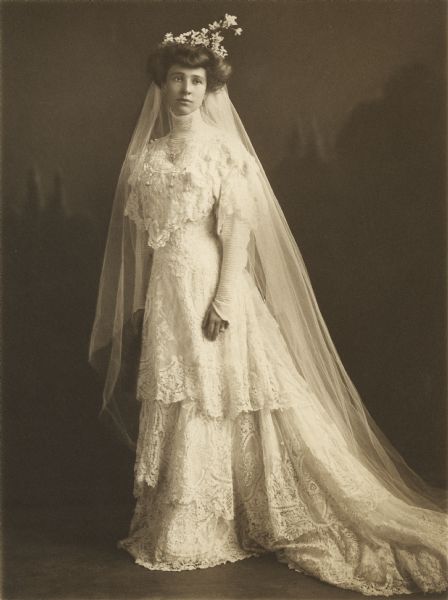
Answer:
[(217, 68)]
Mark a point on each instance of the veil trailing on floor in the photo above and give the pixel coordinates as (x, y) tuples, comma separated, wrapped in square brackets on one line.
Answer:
[(278, 270)]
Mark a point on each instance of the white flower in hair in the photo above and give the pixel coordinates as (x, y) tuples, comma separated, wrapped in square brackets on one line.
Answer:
[(217, 37), (229, 20), (210, 37)]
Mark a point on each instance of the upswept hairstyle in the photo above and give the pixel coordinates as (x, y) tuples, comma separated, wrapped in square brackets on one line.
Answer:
[(217, 68)]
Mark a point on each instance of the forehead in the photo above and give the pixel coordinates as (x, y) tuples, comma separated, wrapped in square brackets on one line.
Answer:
[(189, 71)]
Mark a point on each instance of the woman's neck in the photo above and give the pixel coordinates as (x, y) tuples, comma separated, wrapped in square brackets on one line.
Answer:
[(186, 125)]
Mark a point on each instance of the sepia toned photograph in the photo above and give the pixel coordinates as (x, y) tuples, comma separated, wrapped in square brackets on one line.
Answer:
[(224, 334)]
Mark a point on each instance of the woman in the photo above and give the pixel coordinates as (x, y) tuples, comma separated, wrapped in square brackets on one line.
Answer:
[(251, 437)]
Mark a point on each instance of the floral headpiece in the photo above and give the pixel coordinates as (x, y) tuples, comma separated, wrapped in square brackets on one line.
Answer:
[(210, 37)]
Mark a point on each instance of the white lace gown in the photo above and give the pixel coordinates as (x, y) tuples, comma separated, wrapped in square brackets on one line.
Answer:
[(234, 456)]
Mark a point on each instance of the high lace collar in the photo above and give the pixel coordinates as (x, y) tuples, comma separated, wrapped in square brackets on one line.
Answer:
[(186, 125)]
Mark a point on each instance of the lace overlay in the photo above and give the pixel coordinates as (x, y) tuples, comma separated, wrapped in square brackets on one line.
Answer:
[(235, 455)]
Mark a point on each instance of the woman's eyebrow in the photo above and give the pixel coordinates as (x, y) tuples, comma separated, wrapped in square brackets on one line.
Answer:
[(181, 73)]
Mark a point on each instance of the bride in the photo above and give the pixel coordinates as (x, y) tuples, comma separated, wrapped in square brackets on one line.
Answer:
[(249, 435)]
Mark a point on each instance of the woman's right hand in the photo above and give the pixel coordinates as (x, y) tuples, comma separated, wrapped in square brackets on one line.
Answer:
[(212, 324)]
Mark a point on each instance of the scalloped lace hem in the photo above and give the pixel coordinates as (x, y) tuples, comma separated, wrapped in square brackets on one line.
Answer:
[(186, 565)]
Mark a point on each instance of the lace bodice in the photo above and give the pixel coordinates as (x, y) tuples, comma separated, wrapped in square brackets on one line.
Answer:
[(207, 171)]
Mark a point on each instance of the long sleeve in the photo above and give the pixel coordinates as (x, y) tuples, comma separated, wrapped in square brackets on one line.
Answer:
[(234, 237), (237, 212)]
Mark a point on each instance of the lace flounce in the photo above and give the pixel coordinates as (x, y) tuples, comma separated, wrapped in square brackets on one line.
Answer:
[(210, 491)]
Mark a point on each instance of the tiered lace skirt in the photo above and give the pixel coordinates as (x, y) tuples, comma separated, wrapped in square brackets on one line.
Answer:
[(235, 457)]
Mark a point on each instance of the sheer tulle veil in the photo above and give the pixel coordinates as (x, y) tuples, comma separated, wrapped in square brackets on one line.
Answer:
[(278, 270)]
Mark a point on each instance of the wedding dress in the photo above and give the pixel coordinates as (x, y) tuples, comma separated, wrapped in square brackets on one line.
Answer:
[(235, 454)]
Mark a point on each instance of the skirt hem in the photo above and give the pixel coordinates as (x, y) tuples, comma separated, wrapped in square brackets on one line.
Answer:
[(185, 566)]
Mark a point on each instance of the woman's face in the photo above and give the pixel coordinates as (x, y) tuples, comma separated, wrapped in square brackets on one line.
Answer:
[(184, 88)]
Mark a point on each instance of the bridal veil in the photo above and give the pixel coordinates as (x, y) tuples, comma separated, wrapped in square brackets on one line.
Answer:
[(277, 267)]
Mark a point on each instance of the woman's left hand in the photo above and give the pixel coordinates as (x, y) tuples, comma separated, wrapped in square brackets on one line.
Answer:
[(212, 324)]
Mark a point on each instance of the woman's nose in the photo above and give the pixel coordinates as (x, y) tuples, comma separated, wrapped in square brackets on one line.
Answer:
[(186, 86)]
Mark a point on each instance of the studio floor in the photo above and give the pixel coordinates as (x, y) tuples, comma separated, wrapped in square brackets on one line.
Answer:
[(70, 554)]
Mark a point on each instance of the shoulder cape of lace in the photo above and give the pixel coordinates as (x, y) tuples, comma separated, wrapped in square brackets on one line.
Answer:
[(212, 171)]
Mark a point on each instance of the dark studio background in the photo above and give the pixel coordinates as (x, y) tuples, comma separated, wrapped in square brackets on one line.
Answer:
[(345, 104)]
